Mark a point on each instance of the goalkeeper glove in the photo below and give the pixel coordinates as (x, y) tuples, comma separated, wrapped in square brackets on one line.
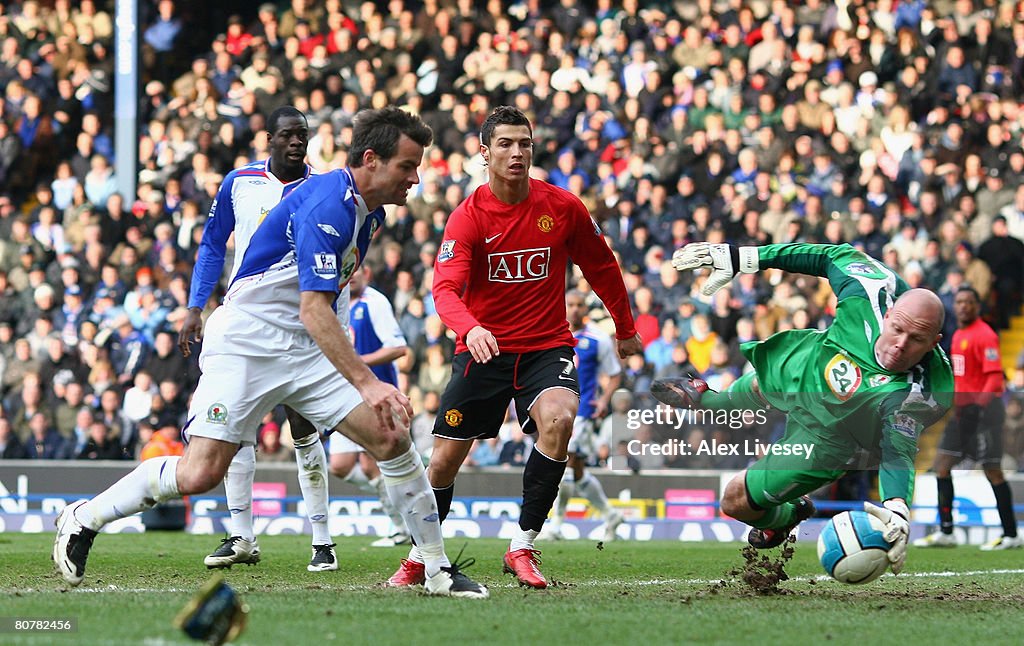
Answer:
[(215, 614), (895, 515), (725, 261)]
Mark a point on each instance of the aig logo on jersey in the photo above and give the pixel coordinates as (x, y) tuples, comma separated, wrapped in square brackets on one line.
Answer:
[(842, 376), (520, 266)]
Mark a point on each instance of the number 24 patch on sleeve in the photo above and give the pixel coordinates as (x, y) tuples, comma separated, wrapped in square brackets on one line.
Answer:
[(842, 376)]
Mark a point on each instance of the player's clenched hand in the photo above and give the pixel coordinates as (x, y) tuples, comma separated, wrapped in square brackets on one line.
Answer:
[(725, 262), (191, 330), (482, 344), (392, 407), (630, 346), (895, 515)]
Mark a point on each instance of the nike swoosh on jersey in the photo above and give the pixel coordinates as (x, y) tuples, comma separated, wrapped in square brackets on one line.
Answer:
[(492, 238)]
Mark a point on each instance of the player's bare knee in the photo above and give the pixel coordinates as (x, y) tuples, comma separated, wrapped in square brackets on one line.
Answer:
[(391, 444), (445, 461), (734, 499), (442, 471), (554, 420)]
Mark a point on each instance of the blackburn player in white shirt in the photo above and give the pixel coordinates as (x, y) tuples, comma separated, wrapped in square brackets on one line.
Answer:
[(277, 340), (379, 341), (244, 199), (595, 357)]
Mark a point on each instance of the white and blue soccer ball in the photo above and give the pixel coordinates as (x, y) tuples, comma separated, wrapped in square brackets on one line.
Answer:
[(852, 548)]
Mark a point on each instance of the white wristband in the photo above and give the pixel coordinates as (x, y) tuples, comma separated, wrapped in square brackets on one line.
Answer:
[(749, 260)]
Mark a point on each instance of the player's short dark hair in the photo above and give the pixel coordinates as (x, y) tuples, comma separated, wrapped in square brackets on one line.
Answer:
[(970, 290), (380, 130), (283, 112), (503, 115)]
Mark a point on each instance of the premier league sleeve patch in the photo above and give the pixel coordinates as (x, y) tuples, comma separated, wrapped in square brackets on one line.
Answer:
[(325, 265), (446, 251)]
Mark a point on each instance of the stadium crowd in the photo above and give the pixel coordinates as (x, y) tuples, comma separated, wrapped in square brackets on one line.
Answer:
[(894, 126)]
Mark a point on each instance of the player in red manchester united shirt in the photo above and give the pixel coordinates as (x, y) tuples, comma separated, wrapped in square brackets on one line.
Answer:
[(499, 283), (976, 430)]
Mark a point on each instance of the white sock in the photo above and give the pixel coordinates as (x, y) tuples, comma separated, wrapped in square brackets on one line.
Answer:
[(566, 489), (312, 461), (152, 482), (415, 555), (410, 493), (238, 491), (594, 493), (523, 540), (397, 522)]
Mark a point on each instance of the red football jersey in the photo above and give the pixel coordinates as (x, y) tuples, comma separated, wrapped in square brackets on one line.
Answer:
[(503, 266), (975, 355)]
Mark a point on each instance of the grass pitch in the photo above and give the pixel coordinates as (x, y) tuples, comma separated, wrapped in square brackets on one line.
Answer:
[(627, 592)]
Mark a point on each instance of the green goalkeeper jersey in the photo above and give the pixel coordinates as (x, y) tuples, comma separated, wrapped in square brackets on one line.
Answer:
[(830, 381)]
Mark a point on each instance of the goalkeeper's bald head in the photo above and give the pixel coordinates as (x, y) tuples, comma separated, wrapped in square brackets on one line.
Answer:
[(911, 329)]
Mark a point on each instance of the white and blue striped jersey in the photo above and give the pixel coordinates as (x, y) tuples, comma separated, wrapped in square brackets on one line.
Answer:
[(245, 197), (312, 241), (595, 354), (373, 326)]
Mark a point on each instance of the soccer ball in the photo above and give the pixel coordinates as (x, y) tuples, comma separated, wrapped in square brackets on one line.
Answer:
[(852, 548)]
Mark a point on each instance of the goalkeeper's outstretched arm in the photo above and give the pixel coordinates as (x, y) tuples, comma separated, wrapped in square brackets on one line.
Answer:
[(844, 266)]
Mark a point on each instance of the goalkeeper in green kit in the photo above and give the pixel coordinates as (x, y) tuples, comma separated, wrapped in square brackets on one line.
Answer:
[(869, 383)]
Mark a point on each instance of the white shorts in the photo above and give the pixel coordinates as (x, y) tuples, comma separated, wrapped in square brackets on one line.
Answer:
[(249, 367), (338, 443), (583, 439)]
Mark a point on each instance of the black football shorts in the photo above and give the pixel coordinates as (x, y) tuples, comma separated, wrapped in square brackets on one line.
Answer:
[(984, 443), (474, 403)]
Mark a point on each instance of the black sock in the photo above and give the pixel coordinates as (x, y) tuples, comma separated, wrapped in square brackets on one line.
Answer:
[(444, 500), (945, 504), (1004, 503), (540, 488)]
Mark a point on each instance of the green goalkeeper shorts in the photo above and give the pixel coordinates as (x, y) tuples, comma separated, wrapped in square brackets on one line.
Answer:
[(802, 461)]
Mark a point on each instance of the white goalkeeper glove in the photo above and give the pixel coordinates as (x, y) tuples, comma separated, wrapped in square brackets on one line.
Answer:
[(895, 515), (725, 261)]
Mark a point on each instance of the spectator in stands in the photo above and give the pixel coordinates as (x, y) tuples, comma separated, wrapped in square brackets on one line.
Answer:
[(117, 423), (11, 447), (128, 349), (1002, 253), (165, 441), (44, 442), (161, 39), (515, 449), (99, 446), (164, 363), (79, 436), (270, 448)]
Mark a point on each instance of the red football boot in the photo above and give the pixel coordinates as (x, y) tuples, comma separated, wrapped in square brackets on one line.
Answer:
[(523, 564), (408, 573)]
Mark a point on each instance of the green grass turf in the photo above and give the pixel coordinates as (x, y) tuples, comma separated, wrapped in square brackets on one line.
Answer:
[(635, 593)]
